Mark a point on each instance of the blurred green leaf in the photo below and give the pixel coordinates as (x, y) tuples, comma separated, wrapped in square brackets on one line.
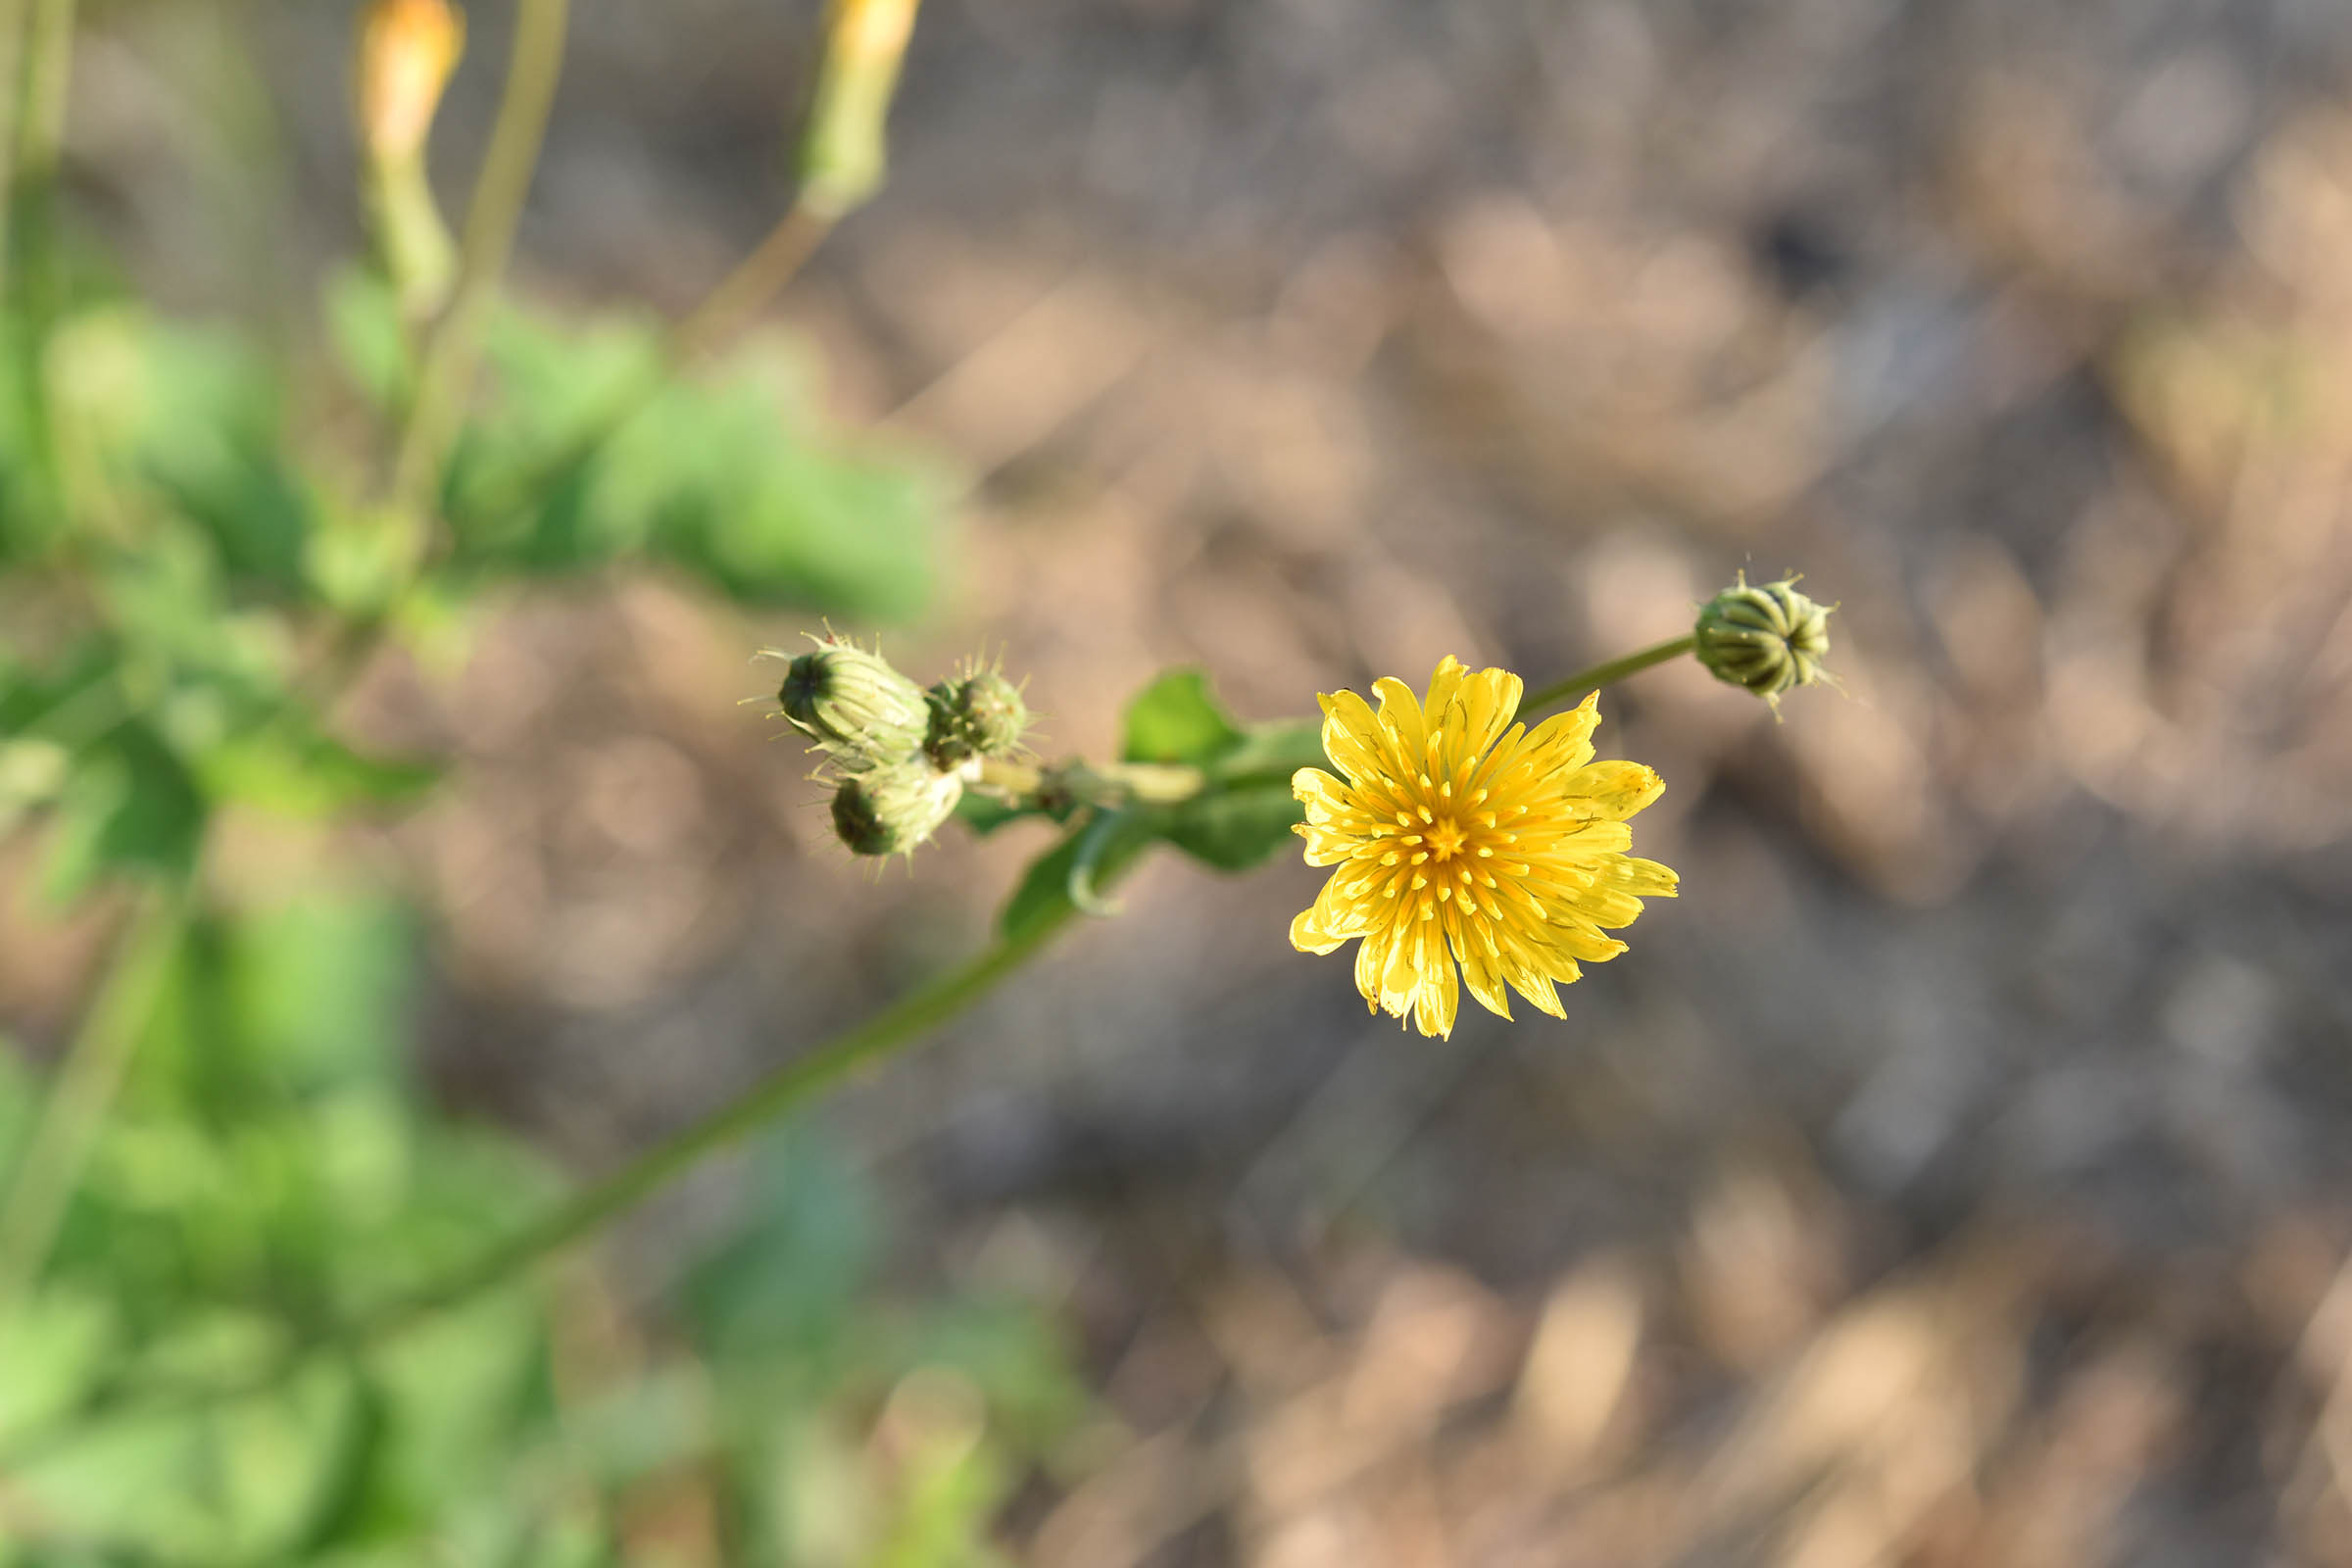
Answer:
[(984, 814), (731, 475), (293, 770), (786, 1282), (1175, 719), (213, 440), (1013, 1354), (363, 324), (1234, 828), (1045, 891), (131, 804)]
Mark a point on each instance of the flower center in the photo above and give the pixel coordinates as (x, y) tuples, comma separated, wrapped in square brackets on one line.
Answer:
[(1445, 839)]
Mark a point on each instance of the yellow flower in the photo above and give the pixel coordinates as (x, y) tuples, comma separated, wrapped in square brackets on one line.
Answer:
[(1460, 836)]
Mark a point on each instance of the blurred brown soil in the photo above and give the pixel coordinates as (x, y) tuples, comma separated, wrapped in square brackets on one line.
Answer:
[(1954, 1175)]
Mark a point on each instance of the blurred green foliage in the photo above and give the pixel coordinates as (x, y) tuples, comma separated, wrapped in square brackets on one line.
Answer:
[(272, 1166), (195, 556)]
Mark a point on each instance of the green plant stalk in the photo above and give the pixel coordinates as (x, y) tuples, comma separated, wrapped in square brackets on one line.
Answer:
[(1274, 752), (15, 16), (885, 1034), (446, 379), (59, 1151), (1608, 674), (888, 1032), (48, 74)]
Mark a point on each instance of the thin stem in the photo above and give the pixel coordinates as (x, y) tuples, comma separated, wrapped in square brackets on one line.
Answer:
[(888, 1032), (15, 16), (447, 375), (893, 1029), (48, 74), (1608, 675), (54, 1159)]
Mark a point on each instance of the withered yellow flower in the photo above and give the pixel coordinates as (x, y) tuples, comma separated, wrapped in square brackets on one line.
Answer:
[(1460, 836)]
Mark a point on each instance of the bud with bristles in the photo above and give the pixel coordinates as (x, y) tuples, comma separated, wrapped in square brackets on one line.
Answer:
[(1768, 637), (863, 712), (980, 715), (894, 809)]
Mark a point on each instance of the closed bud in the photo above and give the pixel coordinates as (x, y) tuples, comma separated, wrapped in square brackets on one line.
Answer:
[(863, 712), (981, 715), (1768, 637), (406, 50), (894, 809), (844, 151)]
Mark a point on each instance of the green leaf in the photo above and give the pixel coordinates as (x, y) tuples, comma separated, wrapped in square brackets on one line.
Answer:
[(296, 771), (1175, 719), (984, 814), (1234, 829), (787, 1282), (1045, 891), (732, 475), (131, 804), (363, 322)]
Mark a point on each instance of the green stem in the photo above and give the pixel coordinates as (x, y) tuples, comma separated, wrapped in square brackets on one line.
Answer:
[(48, 74), (447, 375), (893, 1029), (1608, 675), (14, 15), (1274, 751), (886, 1033), (1271, 753), (53, 1161)]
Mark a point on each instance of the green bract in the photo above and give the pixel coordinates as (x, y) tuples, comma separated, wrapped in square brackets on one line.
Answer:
[(894, 808), (1768, 637), (865, 713), (979, 716)]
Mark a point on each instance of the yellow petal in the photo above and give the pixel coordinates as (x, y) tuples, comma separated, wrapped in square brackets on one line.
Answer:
[(1351, 736), (1478, 973), (1433, 1008), (1564, 741), (1400, 717), (1308, 937), (1614, 789)]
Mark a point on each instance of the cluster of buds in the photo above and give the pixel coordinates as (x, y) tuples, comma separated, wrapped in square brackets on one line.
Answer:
[(901, 755), (1767, 637)]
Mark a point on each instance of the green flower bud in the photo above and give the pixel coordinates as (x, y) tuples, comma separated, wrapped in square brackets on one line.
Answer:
[(979, 716), (1768, 638), (894, 808), (865, 713)]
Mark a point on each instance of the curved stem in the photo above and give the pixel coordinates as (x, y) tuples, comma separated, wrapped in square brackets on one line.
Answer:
[(50, 1167), (888, 1032), (14, 18), (447, 375), (1608, 675), (48, 72), (894, 1028)]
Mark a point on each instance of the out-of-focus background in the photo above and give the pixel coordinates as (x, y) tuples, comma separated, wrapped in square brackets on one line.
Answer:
[(1954, 1175)]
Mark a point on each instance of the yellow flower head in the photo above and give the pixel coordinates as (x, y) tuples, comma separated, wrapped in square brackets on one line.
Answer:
[(1460, 836)]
